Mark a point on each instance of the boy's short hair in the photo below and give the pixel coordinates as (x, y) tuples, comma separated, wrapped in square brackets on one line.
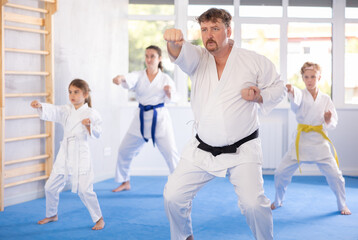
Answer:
[(310, 66), (213, 14)]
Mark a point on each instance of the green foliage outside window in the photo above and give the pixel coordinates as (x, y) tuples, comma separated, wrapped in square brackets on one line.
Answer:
[(141, 35)]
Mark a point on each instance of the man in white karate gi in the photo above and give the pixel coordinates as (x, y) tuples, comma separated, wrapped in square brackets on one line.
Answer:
[(229, 84)]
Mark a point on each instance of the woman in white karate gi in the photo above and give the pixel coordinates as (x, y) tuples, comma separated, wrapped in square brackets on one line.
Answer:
[(79, 122), (153, 88), (315, 114)]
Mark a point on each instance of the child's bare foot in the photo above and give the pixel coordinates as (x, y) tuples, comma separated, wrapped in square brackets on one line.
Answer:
[(99, 224), (346, 211), (123, 187), (47, 220), (273, 207)]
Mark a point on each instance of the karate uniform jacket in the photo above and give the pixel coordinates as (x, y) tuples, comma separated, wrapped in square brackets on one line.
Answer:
[(73, 157), (222, 116), (150, 93), (312, 145)]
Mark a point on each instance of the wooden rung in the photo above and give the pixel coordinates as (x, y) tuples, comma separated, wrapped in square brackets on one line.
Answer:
[(13, 17), (26, 181), (25, 29), (9, 95), (27, 51), (27, 159), (50, 1), (15, 172), (45, 135), (26, 73), (26, 7), (14, 117)]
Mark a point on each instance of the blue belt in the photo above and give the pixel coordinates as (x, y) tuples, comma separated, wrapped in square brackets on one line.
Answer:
[(154, 121)]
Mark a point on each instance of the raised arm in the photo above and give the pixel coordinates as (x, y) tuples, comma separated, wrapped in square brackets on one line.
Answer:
[(36, 104), (122, 81), (290, 89), (175, 41), (330, 116), (119, 79), (50, 112)]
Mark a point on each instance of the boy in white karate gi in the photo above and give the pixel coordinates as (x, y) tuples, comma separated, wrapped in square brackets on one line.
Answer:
[(315, 114), (79, 121), (229, 84), (153, 88)]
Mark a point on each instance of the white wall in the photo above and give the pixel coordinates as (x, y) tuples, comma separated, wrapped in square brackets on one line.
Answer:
[(345, 140), (91, 42)]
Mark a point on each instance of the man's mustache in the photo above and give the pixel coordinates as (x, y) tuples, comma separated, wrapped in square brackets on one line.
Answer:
[(210, 41)]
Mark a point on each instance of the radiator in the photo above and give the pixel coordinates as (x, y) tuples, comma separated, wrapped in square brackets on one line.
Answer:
[(271, 139)]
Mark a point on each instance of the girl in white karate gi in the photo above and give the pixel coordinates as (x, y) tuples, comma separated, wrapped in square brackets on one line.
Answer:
[(315, 113), (153, 88), (79, 121)]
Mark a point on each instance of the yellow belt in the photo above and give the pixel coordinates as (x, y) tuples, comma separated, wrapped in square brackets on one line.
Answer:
[(309, 128)]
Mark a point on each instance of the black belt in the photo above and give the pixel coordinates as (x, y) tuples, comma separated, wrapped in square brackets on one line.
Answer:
[(226, 149)]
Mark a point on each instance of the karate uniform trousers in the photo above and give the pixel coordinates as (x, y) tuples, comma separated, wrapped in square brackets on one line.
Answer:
[(328, 168), (188, 179), (55, 185), (132, 144)]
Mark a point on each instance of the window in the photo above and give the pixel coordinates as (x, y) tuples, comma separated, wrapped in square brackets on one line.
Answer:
[(260, 8), (310, 42), (145, 33), (151, 9), (263, 39), (147, 23), (351, 53), (288, 32), (352, 9), (310, 8), (351, 59)]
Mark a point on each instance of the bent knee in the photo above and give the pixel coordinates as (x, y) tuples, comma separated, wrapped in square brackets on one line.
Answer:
[(47, 188), (173, 195), (278, 172), (254, 203), (169, 194), (50, 188)]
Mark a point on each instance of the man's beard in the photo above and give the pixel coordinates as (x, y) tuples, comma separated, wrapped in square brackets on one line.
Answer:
[(211, 41)]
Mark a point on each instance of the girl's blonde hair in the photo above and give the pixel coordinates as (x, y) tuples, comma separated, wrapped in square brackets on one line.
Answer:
[(310, 66), (83, 85)]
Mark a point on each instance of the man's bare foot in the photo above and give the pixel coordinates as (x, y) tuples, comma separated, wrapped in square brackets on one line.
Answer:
[(99, 224), (47, 220), (191, 237), (123, 187), (346, 211)]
